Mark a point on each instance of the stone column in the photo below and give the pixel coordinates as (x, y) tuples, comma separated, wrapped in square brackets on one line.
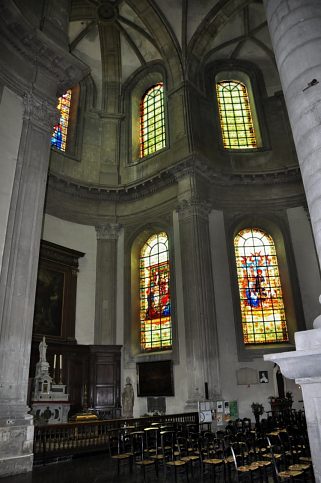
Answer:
[(198, 293), (295, 32), (18, 284), (304, 365), (106, 283)]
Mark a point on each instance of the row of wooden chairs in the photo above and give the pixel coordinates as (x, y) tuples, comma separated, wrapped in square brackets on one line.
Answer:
[(222, 454)]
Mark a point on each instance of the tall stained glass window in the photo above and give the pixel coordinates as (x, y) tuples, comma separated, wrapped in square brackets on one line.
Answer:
[(155, 301), (235, 115), (59, 135), (262, 307), (152, 121)]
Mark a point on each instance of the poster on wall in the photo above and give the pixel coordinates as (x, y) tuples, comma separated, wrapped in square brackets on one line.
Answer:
[(234, 411)]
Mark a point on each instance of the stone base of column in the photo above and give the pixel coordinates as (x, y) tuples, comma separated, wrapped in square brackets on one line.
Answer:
[(16, 446)]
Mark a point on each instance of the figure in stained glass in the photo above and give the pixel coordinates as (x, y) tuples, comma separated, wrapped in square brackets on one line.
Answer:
[(59, 135), (262, 307), (155, 303)]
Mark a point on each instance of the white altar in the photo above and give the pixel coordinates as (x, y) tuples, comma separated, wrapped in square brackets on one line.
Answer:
[(50, 401)]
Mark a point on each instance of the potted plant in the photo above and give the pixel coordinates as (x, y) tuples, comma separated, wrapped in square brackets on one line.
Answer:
[(258, 410)]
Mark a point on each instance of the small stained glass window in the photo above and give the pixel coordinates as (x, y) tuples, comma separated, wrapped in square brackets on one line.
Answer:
[(235, 115), (152, 121), (59, 135), (262, 307), (155, 301)]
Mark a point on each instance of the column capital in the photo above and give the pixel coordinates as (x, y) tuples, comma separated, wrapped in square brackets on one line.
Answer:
[(187, 208), (108, 231), (39, 111)]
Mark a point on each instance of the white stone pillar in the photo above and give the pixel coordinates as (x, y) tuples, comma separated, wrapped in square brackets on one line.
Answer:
[(106, 283), (304, 365), (18, 284), (295, 27), (198, 292)]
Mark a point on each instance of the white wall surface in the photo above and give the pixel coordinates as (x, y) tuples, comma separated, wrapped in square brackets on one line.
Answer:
[(81, 238), (11, 111), (306, 263)]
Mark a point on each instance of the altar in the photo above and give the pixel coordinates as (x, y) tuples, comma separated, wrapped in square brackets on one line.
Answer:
[(50, 401)]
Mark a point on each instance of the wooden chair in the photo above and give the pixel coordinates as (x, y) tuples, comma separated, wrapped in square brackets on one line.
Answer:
[(288, 474), (141, 457), (215, 457), (189, 451), (120, 450), (171, 455)]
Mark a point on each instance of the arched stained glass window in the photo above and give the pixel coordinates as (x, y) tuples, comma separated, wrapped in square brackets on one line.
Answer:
[(59, 135), (152, 120), (155, 302), (235, 115), (262, 307)]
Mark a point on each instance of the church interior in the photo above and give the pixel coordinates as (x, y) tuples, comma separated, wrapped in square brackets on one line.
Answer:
[(160, 210)]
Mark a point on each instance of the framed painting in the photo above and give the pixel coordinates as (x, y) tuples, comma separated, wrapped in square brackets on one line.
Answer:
[(55, 303)]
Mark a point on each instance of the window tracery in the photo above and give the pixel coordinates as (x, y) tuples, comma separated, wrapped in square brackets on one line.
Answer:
[(152, 120), (235, 115)]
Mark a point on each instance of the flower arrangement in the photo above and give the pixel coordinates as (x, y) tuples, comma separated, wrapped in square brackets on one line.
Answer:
[(257, 408)]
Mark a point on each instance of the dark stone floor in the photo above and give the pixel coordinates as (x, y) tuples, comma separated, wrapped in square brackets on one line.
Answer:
[(95, 469), (100, 469)]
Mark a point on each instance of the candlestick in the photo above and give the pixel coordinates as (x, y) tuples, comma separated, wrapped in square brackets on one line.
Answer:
[(55, 361)]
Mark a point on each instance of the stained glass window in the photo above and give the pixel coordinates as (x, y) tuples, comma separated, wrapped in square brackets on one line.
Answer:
[(235, 115), (155, 301), (152, 121), (262, 307), (59, 135)]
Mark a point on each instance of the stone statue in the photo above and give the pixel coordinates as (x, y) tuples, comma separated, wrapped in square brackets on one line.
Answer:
[(127, 398), (43, 350)]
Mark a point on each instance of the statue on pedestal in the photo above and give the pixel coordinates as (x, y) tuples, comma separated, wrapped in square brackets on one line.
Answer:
[(128, 399), (43, 350)]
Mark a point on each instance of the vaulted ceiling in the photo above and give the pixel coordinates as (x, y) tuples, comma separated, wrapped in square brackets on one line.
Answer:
[(115, 39)]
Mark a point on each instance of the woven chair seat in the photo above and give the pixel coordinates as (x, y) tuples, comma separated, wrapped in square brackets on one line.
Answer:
[(214, 461), (176, 463), (145, 462), (290, 474), (121, 456), (299, 467), (308, 459)]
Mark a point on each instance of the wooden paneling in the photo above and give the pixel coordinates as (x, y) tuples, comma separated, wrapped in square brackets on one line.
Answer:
[(97, 367)]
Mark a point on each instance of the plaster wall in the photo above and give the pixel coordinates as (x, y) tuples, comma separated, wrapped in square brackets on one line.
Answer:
[(306, 262), (245, 394), (11, 109), (81, 238)]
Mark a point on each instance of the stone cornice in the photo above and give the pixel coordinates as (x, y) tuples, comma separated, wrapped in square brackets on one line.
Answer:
[(35, 47), (191, 166)]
